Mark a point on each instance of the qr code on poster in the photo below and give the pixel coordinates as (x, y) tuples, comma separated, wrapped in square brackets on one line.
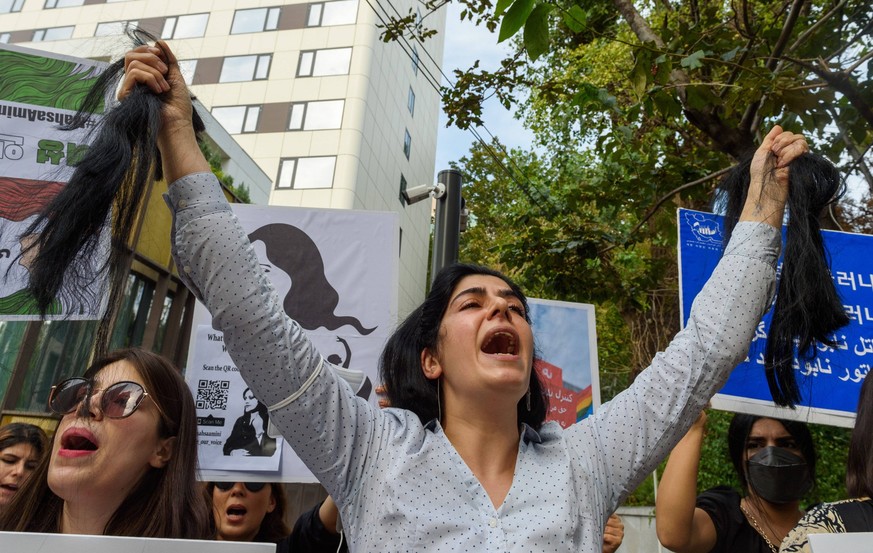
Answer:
[(212, 394)]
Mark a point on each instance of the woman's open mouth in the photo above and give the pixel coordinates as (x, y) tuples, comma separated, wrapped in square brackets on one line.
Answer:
[(236, 513), (501, 342), (77, 442)]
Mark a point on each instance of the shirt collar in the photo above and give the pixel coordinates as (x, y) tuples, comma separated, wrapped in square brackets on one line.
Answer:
[(528, 434)]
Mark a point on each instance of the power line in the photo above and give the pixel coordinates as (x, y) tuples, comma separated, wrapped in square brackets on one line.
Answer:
[(452, 86), (526, 186)]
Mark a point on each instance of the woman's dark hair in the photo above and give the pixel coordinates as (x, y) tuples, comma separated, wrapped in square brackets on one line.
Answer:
[(808, 309), (22, 433), (859, 468), (273, 528), (113, 176), (260, 407), (738, 436), (166, 502), (313, 301), (400, 364)]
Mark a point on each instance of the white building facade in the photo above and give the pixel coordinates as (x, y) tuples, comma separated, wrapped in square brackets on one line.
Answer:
[(333, 115)]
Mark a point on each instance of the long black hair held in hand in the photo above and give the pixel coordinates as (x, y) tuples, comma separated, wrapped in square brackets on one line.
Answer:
[(808, 309), (114, 176)]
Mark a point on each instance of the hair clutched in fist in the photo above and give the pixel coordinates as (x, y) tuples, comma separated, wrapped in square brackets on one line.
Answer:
[(808, 309), (112, 177)]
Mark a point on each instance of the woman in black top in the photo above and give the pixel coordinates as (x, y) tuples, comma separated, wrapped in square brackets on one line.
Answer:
[(255, 511), (775, 463), (249, 433)]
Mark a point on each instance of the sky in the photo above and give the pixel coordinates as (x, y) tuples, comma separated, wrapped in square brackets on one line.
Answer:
[(465, 43)]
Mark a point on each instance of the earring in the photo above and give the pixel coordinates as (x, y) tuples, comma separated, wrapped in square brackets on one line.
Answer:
[(439, 403), (527, 400)]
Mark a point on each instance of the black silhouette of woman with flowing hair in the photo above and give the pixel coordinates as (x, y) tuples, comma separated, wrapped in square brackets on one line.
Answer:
[(312, 301)]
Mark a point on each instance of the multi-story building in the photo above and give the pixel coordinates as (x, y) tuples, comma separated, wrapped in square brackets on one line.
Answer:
[(335, 116)]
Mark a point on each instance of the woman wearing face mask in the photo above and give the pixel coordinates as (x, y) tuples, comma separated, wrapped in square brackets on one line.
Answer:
[(255, 511), (775, 463), (851, 515), (124, 456), (21, 448), (249, 434)]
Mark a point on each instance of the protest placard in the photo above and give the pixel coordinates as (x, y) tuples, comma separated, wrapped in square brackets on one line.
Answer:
[(831, 381)]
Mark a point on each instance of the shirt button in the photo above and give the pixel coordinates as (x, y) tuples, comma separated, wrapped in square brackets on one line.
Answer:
[(187, 268), (492, 523), (183, 204)]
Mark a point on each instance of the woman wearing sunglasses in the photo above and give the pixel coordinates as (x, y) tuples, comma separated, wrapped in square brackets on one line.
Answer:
[(123, 458), (255, 511)]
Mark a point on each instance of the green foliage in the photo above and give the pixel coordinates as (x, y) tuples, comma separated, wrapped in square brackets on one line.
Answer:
[(241, 191), (716, 468), (536, 31), (514, 18), (631, 101)]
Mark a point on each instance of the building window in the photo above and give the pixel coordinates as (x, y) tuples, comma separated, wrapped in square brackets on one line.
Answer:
[(164, 321), (255, 20), (415, 60), (4, 38), (114, 28), (49, 4), (324, 14), (133, 315), (185, 26), (320, 63), (410, 102), (313, 116), (306, 172), (63, 349), (245, 68), (55, 33), (402, 189), (187, 68), (9, 6), (407, 143), (238, 119)]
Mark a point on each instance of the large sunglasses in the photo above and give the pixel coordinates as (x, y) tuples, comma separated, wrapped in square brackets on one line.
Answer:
[(117, 401), (253, 487)]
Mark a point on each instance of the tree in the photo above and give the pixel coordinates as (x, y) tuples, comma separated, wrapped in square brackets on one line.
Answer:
[(662, 97), (641, 106), (714, 71)]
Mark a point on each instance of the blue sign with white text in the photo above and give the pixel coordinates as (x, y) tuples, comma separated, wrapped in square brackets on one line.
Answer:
[(832, 380)]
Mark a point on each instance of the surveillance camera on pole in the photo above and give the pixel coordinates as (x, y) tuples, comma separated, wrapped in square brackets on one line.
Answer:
[(415, 194), (447, 220)]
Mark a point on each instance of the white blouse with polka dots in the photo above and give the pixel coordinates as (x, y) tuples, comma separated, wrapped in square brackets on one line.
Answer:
[(400, 485)]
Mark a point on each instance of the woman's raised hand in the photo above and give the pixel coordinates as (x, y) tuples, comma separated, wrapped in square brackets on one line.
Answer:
[(768, 188), (157, 68)]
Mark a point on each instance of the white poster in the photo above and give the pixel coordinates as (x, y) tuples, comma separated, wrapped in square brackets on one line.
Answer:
[(231, 422), (336, 273)]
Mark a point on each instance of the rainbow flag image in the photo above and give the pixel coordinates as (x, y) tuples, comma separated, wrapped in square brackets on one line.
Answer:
[(584, 407)]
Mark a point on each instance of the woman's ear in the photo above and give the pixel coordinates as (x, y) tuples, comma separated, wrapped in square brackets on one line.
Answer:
[(430, 364), (163, 453)]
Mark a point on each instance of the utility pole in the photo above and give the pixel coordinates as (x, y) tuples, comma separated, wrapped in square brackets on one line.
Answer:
[(447, 220)]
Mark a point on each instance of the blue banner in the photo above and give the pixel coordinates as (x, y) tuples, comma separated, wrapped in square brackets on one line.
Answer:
[(830, 382)]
